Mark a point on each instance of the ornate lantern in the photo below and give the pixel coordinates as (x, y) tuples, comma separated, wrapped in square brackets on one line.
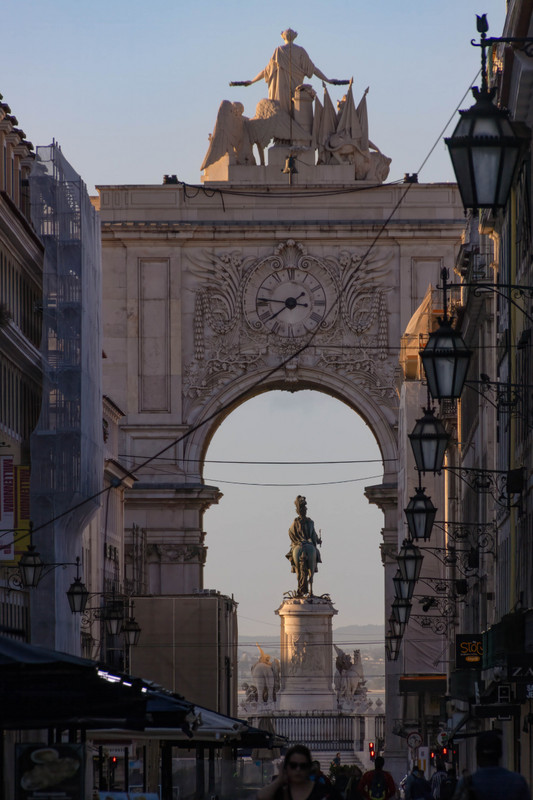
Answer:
[(429, 440), (420, 514), (409, 561)]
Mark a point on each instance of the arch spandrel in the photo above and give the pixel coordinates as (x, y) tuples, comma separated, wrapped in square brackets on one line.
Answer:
[(292, 318)]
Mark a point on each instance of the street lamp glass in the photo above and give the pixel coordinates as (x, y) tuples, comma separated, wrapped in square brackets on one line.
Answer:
[(31, 566), (77, 596), (403, 590), (401, 611), (420, 515), (445, 359), (114, 616), (392, 646), (429, 440), (484, 150), (410, 561), (131, 631)]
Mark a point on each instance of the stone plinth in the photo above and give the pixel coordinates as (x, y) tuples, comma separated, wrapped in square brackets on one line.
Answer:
[(306, 655)]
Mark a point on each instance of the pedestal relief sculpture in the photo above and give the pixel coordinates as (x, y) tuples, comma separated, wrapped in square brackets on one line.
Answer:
[(287, 117)]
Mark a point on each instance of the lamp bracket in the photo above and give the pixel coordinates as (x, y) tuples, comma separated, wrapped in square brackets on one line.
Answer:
[(452, 557), (500, 484), (480, 534), (438, 625), (524, 44), (444, 605), (512, 292)]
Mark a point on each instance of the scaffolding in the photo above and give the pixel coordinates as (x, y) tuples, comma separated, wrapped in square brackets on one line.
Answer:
[(67, 444)]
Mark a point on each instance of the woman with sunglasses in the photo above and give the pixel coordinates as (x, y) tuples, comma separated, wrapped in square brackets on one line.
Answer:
[(294, 781)]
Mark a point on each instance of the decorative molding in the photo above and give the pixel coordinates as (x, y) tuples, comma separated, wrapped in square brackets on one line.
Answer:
[(351, 340), (172, 554)]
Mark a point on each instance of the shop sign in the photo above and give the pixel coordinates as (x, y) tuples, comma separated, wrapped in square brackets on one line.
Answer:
[(520, 668), (468, 650), (49, 773)]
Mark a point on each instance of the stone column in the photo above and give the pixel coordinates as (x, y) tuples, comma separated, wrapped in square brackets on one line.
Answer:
[(306, 655)]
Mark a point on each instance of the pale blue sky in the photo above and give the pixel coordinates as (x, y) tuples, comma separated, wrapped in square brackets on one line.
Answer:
[(131, 91)]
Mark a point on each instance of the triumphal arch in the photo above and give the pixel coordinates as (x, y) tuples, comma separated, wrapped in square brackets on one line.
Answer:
[(292, 265)]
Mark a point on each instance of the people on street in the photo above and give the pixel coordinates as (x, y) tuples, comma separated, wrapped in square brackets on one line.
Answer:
[(437, 780), (377, 783), (416, 786), (294, 780), (491, 781)]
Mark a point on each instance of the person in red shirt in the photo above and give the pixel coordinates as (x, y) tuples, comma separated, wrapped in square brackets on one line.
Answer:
[(377, 784)]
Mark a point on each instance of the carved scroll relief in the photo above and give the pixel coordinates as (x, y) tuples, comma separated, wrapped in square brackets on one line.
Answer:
[(250, 313)]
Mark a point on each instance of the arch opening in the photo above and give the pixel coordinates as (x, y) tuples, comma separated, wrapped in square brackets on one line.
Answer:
[(247, 533)]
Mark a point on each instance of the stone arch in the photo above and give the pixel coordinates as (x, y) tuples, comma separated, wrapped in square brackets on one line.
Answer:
[(380, 418)]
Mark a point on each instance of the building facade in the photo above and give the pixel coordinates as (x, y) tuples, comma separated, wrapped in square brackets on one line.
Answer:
[(21, 277)]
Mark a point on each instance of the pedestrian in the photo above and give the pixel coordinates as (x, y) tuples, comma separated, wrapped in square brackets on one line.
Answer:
[(448, 786), (437, 779), (294, 780), (377, 784), (491, 781), (317, 775), (416, 786)]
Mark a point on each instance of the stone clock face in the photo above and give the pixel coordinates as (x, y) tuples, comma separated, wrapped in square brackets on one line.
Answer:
[(290, 301)]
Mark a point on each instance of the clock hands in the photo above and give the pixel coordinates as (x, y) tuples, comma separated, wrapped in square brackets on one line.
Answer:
[(290, 302)]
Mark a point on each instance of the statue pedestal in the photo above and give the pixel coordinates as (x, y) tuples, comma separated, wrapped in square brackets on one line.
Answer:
[(306, 655)]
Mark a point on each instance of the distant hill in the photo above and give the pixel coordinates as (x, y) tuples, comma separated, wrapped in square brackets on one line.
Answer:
[(351, 635)]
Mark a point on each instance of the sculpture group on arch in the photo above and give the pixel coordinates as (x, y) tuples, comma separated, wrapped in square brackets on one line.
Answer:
[(295, 117)]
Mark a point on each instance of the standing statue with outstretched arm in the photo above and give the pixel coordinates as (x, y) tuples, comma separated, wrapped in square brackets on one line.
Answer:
[(304, 554), (287, 69)]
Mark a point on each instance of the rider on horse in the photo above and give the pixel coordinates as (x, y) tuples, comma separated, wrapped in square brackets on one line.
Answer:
[(304, 554)]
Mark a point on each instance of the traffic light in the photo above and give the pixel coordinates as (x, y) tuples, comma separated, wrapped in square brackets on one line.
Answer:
[(372, 751), (432, 758)]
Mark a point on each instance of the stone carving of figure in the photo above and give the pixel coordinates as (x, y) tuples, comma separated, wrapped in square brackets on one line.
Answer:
[(287, 69), (236, 134), (266, 675), (304, 554), (349, 680)]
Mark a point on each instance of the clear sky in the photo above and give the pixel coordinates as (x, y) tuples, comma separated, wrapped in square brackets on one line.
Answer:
[(131, 91)]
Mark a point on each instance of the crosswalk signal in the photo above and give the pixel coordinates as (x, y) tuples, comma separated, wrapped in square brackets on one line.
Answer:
[(372, 751)]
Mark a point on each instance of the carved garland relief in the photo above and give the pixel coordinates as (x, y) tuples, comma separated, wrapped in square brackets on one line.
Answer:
[(250, 313)]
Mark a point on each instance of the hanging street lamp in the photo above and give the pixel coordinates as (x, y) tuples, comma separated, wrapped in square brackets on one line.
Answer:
[(445, 357), (77, 594), (429, 440), (392, 646), (409, 561), (486, 146), (420, 515), (31, 567), (401, 611), (403, 590), (131, 630), (114, 617)]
